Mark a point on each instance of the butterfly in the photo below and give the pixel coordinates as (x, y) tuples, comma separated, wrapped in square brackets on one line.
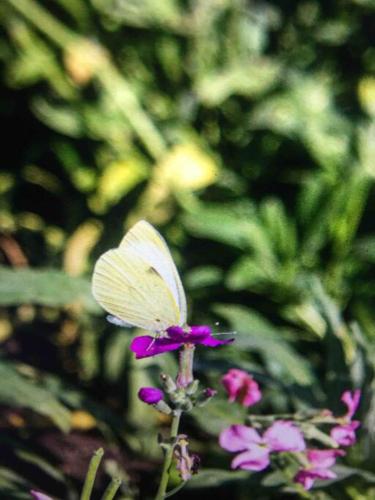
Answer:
[(138, 282)]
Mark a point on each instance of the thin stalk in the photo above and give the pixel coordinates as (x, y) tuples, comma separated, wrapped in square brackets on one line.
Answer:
[(111, 490), (175, 490), (185, 372), (161, 494), (91, 474)]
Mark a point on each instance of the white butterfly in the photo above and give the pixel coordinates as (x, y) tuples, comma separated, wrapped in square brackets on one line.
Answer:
[(138, 283)]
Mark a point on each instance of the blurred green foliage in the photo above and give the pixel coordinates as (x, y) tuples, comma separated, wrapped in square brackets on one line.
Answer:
[(245, 131)]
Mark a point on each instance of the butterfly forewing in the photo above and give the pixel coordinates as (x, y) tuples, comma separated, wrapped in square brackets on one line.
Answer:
[(151, 246), (138, 282)]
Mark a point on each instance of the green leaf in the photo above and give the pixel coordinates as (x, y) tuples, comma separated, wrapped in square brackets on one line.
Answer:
[(22, 392), (256, 333), (217, 415), (203, 276), (224, 223), (47, 287), (212, 478)]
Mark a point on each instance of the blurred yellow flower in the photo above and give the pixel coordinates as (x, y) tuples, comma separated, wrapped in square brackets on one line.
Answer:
[(82, 420), (366, 94), (187, 167), (79, 246)]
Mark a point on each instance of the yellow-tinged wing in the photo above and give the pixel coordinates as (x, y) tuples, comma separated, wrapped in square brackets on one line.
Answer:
[(138, 282)]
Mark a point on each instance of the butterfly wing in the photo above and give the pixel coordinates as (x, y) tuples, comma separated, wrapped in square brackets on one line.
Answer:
[(138, 284), (149, 244)]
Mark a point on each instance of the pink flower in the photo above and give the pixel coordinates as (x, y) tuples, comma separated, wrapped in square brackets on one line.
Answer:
[(344, 434), (351, 400), (172, 339), (318, 468), (241, 386), (255, 449)]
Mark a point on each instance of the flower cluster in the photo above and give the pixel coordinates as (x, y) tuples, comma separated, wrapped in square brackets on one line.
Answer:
[(344, 433), (255, 450), (319, 462)]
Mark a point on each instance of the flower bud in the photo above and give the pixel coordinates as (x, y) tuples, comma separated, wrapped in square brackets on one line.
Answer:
[(150, 395), (205, 396), (241, 387), (192, 387), (169, 384)]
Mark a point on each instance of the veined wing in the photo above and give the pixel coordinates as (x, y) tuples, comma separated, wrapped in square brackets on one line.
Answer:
[(152, 248), (130, 288)]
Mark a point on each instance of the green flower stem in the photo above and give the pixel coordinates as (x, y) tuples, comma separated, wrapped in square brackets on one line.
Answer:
[(161, 494), (91, 474), (111, 490), (185, 372), (313, 417), (175, 490)]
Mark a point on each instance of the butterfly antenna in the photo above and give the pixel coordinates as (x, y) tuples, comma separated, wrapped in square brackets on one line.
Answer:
[(225, 333)]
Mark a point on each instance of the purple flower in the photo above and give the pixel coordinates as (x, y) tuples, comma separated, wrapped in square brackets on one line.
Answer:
[(319, 465), (255, 449), (173, 338), (209, 393), (344, 434), (150, 395), (241, 386), (39, 496)]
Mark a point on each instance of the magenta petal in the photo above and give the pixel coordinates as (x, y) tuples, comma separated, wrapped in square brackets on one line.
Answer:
[(147, 346), (306, 477), (323, 459), (176, 333), (203, 330), (238, 437), (351, 400), (212, 342), (256, 458), (284, 436), (344, 435)]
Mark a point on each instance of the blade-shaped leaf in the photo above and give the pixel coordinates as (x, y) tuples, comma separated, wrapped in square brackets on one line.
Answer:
[(256, 333), (48, 287), (21, 392)]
